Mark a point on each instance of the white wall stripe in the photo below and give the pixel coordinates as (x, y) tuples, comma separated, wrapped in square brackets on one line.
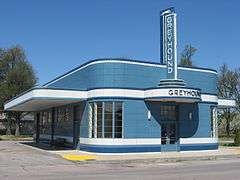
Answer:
[(143, 141), (115, 93), (209, 98), (198, 140), (106, 141), (226, 103)]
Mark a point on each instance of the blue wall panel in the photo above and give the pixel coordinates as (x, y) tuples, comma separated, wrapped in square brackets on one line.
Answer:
[(187, 126), (198, 147), (137, 125), (207, 82), (120, 149), (136, 122), (204, 120), (131, 76), (199, 125)]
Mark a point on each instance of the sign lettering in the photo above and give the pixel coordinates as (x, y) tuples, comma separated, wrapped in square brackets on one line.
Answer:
[(185, 93), (168, 36)]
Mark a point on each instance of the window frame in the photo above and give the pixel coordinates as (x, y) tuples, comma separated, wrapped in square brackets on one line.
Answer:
[(94, 134)]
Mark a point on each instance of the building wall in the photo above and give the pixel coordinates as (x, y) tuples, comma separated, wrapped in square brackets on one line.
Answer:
[(136, 122), (188, 127), (137, 125), (205, 120), (200, 125), (132, 76)]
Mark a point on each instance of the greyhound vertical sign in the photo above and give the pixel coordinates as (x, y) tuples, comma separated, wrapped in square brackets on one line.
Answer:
[(169, 42)]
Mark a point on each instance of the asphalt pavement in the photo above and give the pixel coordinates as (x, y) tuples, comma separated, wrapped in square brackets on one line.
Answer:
[(20, 162)]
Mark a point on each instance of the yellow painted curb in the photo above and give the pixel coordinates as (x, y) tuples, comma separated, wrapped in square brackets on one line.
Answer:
[(75, 157)]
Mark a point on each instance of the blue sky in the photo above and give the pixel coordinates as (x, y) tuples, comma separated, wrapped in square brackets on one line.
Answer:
[(59, 35)]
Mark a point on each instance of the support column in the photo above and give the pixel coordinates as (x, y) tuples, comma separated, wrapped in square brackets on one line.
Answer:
[(37, 126)]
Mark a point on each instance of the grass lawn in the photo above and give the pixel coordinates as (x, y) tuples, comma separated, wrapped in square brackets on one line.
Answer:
[(226, 141), (15, 138)]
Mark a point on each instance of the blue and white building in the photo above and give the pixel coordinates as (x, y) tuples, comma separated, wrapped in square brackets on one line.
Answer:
[(122, 105)]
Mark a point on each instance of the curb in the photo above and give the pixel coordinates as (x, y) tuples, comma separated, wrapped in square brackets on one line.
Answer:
[(159, 160)]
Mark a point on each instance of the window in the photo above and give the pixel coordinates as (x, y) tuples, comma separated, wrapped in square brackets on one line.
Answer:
[(63, 124), (105, 119), (214, 125), (99, 116), (118, 120), (45, 122), (168, 112), (108, 119), (63, 121)]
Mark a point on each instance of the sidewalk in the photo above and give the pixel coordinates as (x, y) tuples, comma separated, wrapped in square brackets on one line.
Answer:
[(221, 153)]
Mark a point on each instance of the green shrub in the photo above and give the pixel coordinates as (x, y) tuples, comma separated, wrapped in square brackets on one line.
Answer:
[(237, 138)]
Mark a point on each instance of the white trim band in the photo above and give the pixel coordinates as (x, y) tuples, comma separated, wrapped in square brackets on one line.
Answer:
[(143, 141), (209, 98), (107, 141), (70, 96), (46, 94), (198, 140), (115, 93), (222, 103)]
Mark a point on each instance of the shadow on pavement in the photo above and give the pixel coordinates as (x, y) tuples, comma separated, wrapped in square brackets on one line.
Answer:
[(45, 146)]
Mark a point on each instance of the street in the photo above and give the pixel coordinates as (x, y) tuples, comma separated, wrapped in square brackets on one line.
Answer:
[(20, 162)]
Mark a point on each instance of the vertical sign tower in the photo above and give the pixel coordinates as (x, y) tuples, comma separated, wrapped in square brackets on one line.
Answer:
[(169, 46)]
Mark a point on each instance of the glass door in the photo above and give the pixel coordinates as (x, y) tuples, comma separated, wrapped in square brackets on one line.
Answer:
[(168, 133), (169, 127)]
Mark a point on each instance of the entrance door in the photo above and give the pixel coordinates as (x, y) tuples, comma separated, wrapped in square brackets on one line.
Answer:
[(169, 128)]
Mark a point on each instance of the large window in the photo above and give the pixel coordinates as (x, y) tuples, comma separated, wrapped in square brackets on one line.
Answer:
[(45, 122), (63, 121), (105, 119), (99, 116), (118, 120), (108, 119), (168, 112)]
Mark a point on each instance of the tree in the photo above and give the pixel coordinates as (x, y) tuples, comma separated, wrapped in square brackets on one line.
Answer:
[(229, 87), (16, 76), (186, 56)]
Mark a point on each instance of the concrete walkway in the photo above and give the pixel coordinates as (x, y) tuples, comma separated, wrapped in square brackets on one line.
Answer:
[(222, 152)]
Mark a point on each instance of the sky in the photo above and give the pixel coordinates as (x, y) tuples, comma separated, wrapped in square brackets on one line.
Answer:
[(59, 35)]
